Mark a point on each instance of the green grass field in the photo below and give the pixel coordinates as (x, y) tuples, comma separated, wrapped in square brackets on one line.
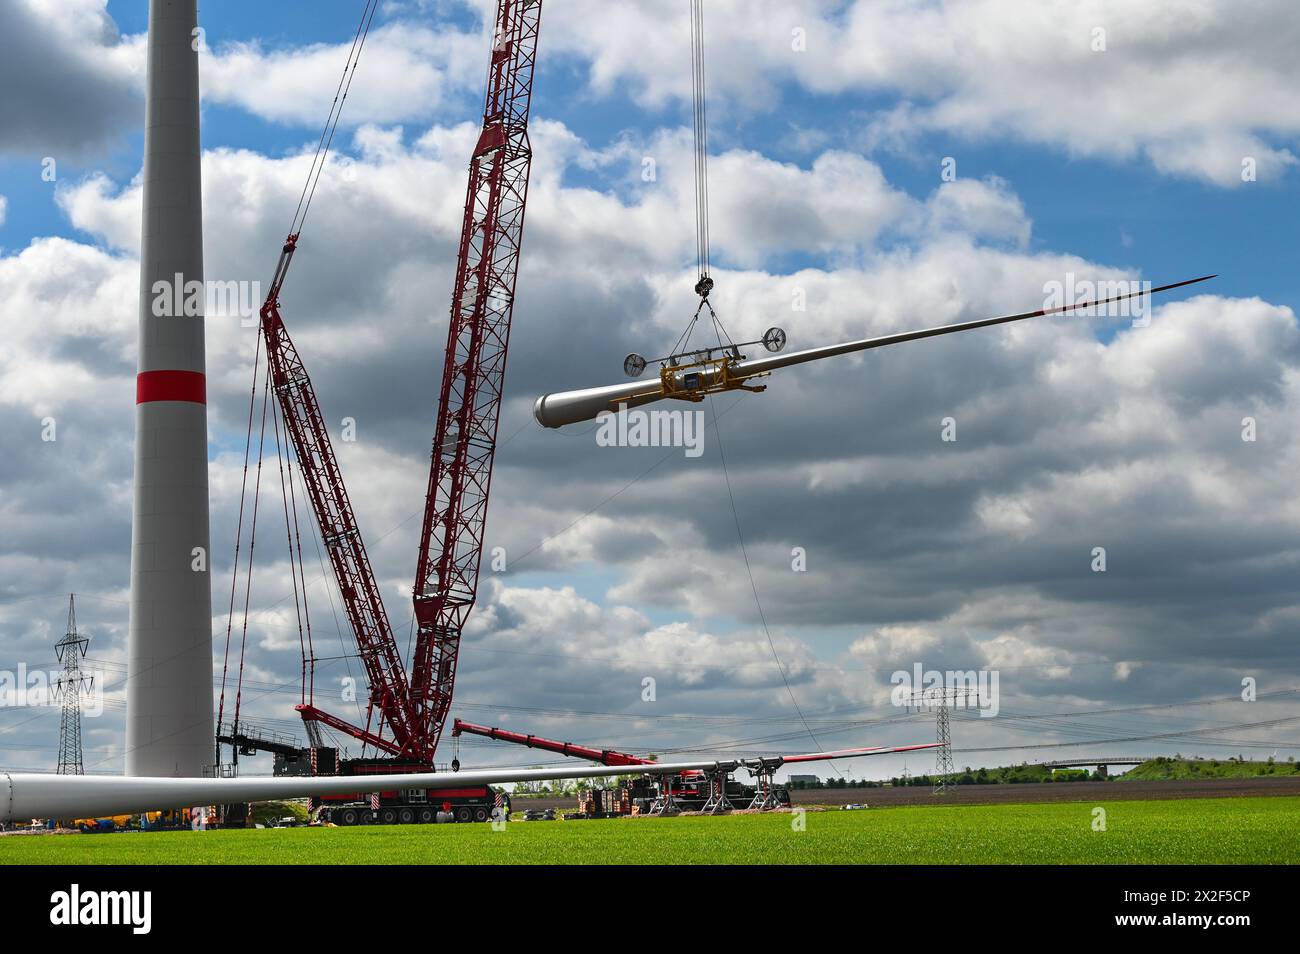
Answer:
[(1162, 769), (1193, 831)]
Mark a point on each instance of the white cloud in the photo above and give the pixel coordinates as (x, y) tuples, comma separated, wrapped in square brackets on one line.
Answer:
[(989, 209), (987, 69), (406, 72), (582, 635), (93, 206), (59, 293), (980, 69)]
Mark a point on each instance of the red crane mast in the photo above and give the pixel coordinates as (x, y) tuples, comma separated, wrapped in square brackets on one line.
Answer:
[(464, 443), (413, 711)]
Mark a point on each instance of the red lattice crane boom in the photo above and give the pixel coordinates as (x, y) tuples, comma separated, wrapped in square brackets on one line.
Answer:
[(603, 756), (464, 443), (362, 602)]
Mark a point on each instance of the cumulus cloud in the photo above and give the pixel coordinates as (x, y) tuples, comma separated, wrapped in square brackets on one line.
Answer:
[(409, 71), (72, 81), (1089, 79), (978, 70)]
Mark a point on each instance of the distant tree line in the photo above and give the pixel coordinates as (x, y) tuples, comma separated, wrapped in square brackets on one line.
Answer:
[(1008, 775), (1156, 768)]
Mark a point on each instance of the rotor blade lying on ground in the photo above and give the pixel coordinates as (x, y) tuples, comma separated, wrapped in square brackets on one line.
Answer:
[(27, 796)]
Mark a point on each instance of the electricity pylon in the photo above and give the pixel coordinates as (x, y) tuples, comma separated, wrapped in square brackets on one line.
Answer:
[(940, 699), (70, 649)]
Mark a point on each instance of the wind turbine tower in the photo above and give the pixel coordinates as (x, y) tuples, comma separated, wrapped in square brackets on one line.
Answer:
[(169, 677)]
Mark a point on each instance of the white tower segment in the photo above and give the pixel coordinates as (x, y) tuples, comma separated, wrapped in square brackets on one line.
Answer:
[(169, 689)]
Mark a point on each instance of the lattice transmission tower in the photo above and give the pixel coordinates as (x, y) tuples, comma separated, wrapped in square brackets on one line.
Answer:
[(941, 699), (70, 650)]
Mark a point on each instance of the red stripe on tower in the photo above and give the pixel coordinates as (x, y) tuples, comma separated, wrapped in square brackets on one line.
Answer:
[(188, 386)]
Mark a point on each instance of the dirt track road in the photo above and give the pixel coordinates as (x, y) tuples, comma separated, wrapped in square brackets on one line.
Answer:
[(1054, 792), (1011, 794)]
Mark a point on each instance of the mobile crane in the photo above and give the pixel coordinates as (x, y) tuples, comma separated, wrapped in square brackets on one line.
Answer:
[(405, 714)]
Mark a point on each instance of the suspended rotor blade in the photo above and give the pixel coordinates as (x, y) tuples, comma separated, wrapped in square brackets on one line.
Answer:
[(570, 407), (760, 365)]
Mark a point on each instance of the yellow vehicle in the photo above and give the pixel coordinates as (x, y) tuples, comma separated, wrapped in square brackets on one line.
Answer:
[(170, 819)]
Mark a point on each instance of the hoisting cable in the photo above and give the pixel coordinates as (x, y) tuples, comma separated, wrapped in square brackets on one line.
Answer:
[(699, 102), (239, 533), (252, 544), (762, 617), (332, 122), (702, 288), (698, 95)]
